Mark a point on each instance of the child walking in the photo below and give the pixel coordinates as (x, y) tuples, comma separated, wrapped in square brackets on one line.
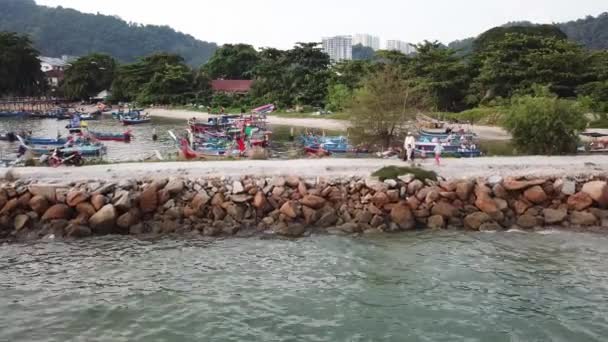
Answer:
[(438, 150)]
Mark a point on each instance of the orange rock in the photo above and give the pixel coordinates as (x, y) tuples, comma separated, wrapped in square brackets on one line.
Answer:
[(535, 194), (579, 201)]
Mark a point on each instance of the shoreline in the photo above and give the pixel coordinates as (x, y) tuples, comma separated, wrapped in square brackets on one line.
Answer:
[(484, 132)]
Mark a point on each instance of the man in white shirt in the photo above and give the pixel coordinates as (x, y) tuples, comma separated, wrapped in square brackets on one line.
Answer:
[(409, 144)]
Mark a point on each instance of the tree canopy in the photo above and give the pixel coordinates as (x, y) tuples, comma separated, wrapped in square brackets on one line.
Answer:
[(384, 104), (20, 73), (544, 124), (232, 62), (89, 75), (361, 52), (159, 78)]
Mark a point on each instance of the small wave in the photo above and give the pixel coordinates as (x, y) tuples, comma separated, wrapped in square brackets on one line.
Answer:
[(515, 230)]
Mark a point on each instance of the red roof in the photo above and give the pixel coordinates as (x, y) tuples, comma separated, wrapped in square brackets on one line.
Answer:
[(231, 86)]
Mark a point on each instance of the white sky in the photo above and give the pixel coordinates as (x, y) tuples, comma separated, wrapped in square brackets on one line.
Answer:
[(281, 23)]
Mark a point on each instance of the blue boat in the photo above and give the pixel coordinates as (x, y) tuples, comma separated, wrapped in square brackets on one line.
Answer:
[(444, 135), (85, 150), (12, 114), (46, 141)]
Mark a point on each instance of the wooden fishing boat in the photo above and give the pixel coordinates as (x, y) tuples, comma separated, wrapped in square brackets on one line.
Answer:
[(102, 136), (443, 134), (135, 121), (45, 141), (85, 150)]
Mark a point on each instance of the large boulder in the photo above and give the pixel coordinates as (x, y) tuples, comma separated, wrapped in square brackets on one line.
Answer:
[(292, 181), (46, 191), (237, 187), (487, 204), (289, 230), (555, 216), (528, 221), (259, 201), (535, 194), (582, 218), (175, 186), (475, 220), (21, 221), (57, 212), (597, 190), (122, 201), (148, 201), (74, 198), (403, 217), (200, 200), (77, 231), (380, 199), (289, 209), (85, 209), (128, 219), (312, 201), (514, 185), (414, 186), (436, 222), (445, 210), (579, 201), (328, 218), (104, 220), (98, 201), (464, 190), (10, 206)]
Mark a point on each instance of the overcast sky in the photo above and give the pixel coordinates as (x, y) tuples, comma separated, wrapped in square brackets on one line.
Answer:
[(281, 23)]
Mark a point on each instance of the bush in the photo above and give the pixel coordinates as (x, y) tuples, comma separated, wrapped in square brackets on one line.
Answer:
[(545, 124), (393, 172)]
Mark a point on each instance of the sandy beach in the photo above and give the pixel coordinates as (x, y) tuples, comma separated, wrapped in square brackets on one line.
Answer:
[(536, 166), (484, 132)]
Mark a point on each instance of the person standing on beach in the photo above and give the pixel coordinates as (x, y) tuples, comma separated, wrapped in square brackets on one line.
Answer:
[(438, 149), (408, 145)]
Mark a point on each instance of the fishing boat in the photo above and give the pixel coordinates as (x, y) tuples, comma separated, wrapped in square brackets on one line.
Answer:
[(77, 129), (269, 108), (45, 141), (85, 150), (12, 114), (136, 121), (10, 137), (444, 135), (102, 136)]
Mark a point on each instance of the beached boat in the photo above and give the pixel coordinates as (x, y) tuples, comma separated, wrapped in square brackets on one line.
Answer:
[(444, 135), (45, 141), (12, 114), (92, 150), (125, 137), (90, 116), (135, 121)]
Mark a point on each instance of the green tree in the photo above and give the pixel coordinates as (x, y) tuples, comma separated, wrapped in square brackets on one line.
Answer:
[(442, 73), (515, 63), (544, 124), (362, 53), (299, 76), (338, 97), (232, 62), (89, 75), (350, 73), (384, 105), (20, 73), (498, 34), (160, 78)]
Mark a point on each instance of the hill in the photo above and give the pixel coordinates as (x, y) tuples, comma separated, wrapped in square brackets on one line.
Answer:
[(61, 31), (591, 32)]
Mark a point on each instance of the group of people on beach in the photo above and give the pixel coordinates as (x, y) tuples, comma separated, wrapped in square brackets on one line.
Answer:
[(409, 145)]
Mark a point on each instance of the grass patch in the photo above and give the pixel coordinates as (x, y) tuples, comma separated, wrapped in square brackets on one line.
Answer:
[(600, 123), (393, 172)]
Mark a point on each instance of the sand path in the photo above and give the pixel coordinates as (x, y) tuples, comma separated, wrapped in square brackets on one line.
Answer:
[(331, 167)]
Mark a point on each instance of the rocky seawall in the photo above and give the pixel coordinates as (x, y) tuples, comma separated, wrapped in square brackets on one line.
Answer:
[(295, 207)]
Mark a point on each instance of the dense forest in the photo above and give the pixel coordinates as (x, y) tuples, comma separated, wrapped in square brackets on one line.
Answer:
[(591, 32), (61, 31)]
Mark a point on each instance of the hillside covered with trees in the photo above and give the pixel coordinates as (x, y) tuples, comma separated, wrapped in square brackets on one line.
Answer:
[(591, 32), (61, 31)]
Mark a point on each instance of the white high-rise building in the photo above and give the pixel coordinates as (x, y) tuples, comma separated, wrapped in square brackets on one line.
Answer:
[(338, 48), (367, 40), (401, 46)]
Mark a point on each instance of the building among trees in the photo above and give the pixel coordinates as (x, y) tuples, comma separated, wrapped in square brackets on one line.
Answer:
[(401, 46), (338, 48)]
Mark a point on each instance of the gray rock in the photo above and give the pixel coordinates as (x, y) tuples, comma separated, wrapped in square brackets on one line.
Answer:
[(391, 183), (493, 180), (237, 187), (568, 187)]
